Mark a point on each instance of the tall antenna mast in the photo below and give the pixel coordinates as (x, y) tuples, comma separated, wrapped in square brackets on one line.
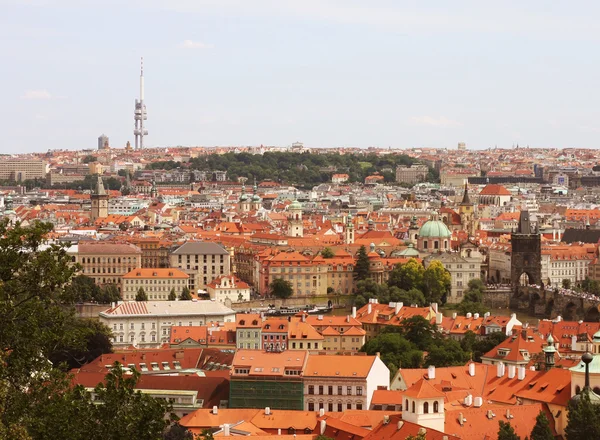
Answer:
[(140, 114)]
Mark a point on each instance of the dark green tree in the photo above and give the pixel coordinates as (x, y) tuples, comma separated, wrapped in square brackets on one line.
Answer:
[(446, 353), (583, 418), (541, 430), (141, 295), (506, 432), (87, 339), (109, 293), (362, 268), (327, 253), (177, 432), (419, 331), (281, 288), (395, 351), (566, 283), (186, 295), (172, 295)]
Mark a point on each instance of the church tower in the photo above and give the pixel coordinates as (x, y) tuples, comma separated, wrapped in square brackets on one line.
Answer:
[(349, 232), (154, 189), (295, 226), (244, 202), (256, 200), (467, 213), (99, 201)]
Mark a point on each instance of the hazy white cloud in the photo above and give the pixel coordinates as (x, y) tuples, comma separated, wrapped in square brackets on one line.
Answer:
[(36, 95), (431, 121), (190, 44)]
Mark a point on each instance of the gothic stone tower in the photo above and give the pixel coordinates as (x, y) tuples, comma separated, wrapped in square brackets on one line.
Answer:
[(526, 252), (99, 201)]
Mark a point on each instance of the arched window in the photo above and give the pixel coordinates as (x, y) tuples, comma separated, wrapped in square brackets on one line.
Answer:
[(577, 389), (436, 407), (425, 244), (445, 244), (426, 408), (413, 407), (436, 244)]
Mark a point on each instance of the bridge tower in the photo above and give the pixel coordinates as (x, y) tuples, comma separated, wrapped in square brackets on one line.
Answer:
[(526, 254)]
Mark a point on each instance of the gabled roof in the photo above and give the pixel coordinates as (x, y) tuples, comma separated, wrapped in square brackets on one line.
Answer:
[(423, 390)]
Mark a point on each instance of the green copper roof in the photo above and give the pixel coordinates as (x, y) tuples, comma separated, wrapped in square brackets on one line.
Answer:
[(434, 228)]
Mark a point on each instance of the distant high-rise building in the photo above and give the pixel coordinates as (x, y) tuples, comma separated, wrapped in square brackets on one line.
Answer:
[(103, 142), (140, 115)]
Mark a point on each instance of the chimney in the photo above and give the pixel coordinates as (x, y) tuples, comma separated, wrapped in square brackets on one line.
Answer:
[(378, 354), (558, 318), (454, 315), (469, 315), (461, 419), (278, 431), (226, 429), (574, 343), (347, 318), (354, 312), (304, 317), (521, 373), (434, 306), (400, 424), (486, 315), (422, 431), (369, 308), (477, 402), (500, 369), (386, 419), (431, 372), (320, 317), (215, 410), (511, 371), (267, 411), (397, 308), (438, 318), (321, 412), (490, 414), (323, 424), (472, 369), (508, 414), (475, 315), (468, 400)]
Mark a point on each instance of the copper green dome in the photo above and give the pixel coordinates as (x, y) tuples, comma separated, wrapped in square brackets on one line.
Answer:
[(295, 205), (434, 228)]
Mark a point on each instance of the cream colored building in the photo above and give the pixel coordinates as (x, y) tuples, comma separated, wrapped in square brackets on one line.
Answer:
[(228, 289), (413, 174), (337, 383), (340, 333), (22, 169), (202, 261), (307, 277), (107, 262), (148, 323), (157, 283), (463, 267)]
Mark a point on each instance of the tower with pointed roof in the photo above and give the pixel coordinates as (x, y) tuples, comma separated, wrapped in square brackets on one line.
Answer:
[(295, 225), (153, 189), (99, 201), (549, 351), (244, 202), (467, 212), (349, 231)]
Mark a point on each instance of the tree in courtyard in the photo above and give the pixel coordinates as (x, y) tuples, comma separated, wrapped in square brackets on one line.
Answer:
[(395, 351), (566, 283), (141, 295), (478, 347), (362, 267), (186, 295), (109, 293), (506, 432), (407, 276), (472, 301), (172, 295), (583, 418), (541, 430), (436, 282), (177, 432), (446, 352), (281, 288), (327, 253)]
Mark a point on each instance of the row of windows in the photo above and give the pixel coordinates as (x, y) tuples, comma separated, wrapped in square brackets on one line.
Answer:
[(435, 405), (308, 345), (154, 281), (330, 406), (204, 258), (330, 389), (113, 260)]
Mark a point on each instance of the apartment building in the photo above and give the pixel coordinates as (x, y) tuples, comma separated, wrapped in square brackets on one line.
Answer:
[(340, 333), (413, 174), (148, 323), (157, 283), (337, 383), (22, 169), (248, 330), (202, 261), (107, 262), (307, 278), (567, 262), (462, 268)]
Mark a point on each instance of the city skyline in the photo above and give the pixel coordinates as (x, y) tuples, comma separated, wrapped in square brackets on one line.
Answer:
[(328, 74)]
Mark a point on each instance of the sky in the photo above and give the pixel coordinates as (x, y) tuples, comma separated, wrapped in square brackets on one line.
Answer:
[(328, 73)]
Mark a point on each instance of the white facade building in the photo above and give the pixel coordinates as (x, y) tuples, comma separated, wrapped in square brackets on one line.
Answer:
[(148, 323)]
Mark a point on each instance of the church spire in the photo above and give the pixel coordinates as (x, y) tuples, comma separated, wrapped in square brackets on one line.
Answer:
[(466, 200)]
